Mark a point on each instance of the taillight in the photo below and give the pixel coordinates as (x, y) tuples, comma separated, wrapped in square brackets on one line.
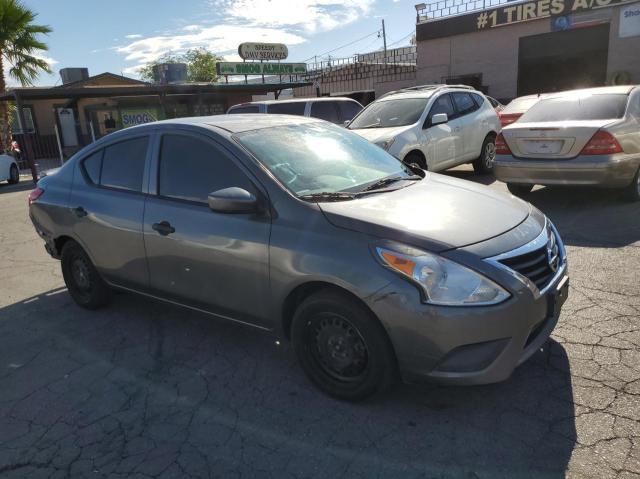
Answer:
[(35, 194), (508, 118), (602, 143), (501, 146)]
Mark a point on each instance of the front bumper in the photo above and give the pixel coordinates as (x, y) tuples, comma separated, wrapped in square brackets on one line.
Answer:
[(615, 171), (470, 345)]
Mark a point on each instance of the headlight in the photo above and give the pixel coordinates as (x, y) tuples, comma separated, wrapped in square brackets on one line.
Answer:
[(385, 145), (443, 281)]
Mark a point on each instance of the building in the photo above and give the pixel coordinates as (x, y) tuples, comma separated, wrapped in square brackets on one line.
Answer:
[(79, 111), (518, 48)]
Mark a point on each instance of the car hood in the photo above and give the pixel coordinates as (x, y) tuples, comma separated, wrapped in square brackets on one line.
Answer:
[(378, 135), (438, 213)]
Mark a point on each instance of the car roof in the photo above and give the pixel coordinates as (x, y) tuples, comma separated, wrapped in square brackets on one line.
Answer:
[(427, 91), (296, 100), (239, 122), (601, 90)]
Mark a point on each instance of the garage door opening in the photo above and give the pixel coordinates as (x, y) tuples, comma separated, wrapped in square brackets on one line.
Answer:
[(563, 60)]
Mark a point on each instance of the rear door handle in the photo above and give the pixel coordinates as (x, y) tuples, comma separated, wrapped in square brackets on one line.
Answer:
[(80, 212), (164, 228)]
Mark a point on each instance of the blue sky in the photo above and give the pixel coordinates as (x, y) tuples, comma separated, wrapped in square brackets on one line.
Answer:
[(120, 35)]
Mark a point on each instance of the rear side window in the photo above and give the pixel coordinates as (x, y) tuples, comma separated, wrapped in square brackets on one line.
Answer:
[(92, 166), (325, 110), (480, 101), (349, 109), (464, 103), (191, 168), (287, 108), (123, 164), (245, 109)]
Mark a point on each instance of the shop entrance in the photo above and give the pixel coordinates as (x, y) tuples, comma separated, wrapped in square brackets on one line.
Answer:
[(563, 60)]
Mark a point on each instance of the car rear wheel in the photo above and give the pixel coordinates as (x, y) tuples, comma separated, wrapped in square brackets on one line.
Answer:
[(14, 175), (519, 189), (342, 347), (484, 163), (85, 285), (633, 190)]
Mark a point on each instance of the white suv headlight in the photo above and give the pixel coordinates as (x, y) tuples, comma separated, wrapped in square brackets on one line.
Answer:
[(443, 281)]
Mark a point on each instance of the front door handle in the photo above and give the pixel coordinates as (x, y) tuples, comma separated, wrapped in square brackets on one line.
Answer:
[(80, 212), (164, 228)]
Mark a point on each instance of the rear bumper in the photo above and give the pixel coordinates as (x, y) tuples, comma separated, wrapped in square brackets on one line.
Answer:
[(615, 171)]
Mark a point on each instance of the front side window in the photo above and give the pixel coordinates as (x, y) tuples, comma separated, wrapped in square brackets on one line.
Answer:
[(191, 168), (287, 108), (315, 158), (578, 107), (389, 113), (442, 104), (349, 109), (325, 110), (464, 103), (123, 164)]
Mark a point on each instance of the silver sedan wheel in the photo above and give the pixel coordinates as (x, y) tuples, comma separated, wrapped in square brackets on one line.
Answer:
[(489, 155)]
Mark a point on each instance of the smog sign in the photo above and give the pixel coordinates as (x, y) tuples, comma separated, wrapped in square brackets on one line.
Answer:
[(263, 51), (138, 116), (264, 68), (630, 21), (508, 14)]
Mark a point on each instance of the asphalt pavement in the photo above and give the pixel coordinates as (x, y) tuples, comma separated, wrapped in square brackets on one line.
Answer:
[(143, 389)]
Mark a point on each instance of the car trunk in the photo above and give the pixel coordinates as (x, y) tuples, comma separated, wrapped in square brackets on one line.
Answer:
[(562, 139)]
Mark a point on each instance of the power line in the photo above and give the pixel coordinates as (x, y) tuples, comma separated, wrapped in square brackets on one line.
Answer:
[(342, 46), (403, 38)]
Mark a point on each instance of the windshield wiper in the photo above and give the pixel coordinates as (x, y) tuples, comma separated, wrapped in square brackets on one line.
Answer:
[(387, 181), (329, 196)]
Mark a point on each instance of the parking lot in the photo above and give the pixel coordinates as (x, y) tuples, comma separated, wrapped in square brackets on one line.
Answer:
[(143, 389)]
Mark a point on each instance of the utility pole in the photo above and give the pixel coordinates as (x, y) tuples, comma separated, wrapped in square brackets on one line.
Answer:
[(384, 40)]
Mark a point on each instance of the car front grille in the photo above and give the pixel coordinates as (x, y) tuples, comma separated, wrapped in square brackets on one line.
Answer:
[(539, 265)]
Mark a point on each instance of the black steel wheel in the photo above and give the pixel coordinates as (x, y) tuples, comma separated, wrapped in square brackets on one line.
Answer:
[(342, 347), (416, 158), (518, 189), (14, 175), (85, 285)]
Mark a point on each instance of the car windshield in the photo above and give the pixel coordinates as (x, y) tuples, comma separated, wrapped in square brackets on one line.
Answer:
[(315, 158), (389, 113), (521, 104), (578, 107)]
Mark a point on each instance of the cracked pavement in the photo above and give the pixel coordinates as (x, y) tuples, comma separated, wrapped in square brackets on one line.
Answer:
[(146, 390)]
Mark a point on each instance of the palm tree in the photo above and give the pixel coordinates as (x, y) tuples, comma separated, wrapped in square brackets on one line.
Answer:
[(19, 46)]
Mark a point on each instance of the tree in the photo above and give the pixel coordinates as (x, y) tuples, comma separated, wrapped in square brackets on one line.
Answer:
[(19, 47), (201, 65)]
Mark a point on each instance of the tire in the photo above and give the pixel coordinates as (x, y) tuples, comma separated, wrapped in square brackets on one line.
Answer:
[(417, 158), (518, 189), (484, 163), (85, 285), (632, 192), (361, 361), (14, 175)]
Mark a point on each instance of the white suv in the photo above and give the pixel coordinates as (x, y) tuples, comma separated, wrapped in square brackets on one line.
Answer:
[(434, 126)]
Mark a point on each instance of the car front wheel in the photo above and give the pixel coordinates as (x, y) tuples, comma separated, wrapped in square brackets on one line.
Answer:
[(342, 347), (85, 285)]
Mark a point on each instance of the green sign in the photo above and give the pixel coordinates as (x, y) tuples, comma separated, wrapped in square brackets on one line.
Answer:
[(138, 116), (265, 68)]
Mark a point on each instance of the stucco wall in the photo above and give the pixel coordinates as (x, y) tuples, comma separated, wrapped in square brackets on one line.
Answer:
[(494, 53)]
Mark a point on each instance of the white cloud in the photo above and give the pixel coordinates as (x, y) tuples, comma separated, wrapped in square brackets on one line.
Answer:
[(309, 15), (131, 36), (221, 39)]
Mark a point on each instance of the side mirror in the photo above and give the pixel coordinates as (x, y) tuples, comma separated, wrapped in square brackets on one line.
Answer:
[(439, 118), (233, 200)]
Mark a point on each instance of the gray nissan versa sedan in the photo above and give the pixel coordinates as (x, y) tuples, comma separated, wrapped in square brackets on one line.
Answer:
[(304, 229)]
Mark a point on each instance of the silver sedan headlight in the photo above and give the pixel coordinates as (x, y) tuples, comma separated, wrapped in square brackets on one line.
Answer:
[(443, 281)]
